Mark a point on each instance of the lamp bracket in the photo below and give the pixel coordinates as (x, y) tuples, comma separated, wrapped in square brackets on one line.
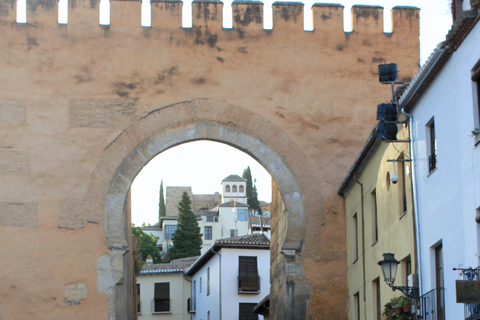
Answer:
[(411, 292)]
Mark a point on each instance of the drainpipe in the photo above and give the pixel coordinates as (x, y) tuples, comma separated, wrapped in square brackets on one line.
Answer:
[(219, 283), (416, 238), (363, 245)]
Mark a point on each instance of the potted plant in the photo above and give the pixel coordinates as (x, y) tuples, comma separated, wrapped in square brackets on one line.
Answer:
[(394, 309), (405, 303)]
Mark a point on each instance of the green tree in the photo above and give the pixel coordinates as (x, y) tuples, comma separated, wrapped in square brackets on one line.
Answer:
[(162, 211), (251, 191), (147, 244), (187, 240)]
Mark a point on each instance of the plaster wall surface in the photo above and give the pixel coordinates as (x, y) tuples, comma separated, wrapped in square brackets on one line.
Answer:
[(83, 107), (391, 231), (449, 197), (179, 293)]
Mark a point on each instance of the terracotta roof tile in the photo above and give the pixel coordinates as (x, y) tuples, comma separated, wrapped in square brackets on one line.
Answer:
[(251, 239)]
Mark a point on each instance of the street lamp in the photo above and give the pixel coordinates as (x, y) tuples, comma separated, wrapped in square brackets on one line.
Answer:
[(389, 270)]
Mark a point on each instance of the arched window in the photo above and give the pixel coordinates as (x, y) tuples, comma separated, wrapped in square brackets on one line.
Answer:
[(234, 189), (241, 189), (227, 188)]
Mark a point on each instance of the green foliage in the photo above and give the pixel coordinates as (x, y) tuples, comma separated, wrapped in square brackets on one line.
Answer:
[(187, 240), (393, 310), (147, 244), (251, 191), (162, 211)]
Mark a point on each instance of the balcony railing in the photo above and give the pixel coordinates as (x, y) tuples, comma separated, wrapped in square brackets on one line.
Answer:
[(250, 284), (429, 305), (191, 305), (161, 306), (472, 310)]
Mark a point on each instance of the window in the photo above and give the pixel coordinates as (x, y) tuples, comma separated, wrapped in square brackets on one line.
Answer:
[(241, 214), (161, 297), (248, 278), (374, 217), (233, 233), (208, 219), (169, 231), (356, 307), (208, 315), (227, 188), (431, 146), (476, 97), (402, 185), (241, 189), (439, 282), (139, 304), (376, 298), (208, 233), (355, 238), (234, 189), (408, 270), (208, 281), (246, 312), (200, 285)]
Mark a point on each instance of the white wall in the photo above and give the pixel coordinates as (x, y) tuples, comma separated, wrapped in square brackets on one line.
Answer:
[(227, 287), (230, 296), (449, 196), (210, 302), (179, 293)]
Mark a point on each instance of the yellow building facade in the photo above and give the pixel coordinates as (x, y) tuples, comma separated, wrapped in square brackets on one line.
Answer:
[(379, 219)]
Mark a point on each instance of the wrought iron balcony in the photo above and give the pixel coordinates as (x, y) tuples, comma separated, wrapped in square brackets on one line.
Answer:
[(472, 310), (250, 284)]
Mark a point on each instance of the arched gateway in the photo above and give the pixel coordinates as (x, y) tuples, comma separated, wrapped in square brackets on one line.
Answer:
[(169, 126), (83, 107)]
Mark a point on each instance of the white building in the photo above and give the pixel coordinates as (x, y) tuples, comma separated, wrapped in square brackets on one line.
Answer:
[(230, 278), (444, 101), (232, 218), (162, 291)]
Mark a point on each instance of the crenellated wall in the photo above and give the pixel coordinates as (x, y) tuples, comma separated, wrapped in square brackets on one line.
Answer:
[(84, 106)]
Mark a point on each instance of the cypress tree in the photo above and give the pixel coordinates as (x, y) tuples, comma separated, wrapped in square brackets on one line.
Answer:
[(162, 211), (251, 191), (187, 240)]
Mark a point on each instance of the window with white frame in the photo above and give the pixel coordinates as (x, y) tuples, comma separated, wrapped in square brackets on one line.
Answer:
[(161, 298), (241, 214), (208, 233), (169, 231)]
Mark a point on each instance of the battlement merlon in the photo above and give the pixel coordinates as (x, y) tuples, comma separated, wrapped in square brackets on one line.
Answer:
[(247, 15), (167, 14)]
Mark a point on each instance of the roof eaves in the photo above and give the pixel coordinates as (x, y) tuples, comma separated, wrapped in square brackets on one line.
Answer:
[(361, 162), (425, 76)]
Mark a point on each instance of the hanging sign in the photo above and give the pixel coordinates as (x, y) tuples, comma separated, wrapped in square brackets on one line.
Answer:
[(468, 291)]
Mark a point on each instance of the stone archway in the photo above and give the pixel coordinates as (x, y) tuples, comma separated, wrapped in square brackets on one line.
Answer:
[(183, 122)]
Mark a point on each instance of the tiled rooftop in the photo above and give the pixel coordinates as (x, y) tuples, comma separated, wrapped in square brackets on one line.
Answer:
[(178, 265), (234, 177), (252, 239)]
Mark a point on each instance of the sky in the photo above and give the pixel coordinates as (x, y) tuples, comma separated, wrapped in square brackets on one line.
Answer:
[(204, 164)]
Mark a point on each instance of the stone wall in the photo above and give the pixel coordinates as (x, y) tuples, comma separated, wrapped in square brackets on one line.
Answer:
[(173, 195), (83, 107)]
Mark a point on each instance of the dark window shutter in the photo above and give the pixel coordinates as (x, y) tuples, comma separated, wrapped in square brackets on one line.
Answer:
[(248, 274), (246, 312), (162, 291)]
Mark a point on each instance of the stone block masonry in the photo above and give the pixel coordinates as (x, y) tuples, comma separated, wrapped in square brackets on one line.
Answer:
[(83, 107)]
